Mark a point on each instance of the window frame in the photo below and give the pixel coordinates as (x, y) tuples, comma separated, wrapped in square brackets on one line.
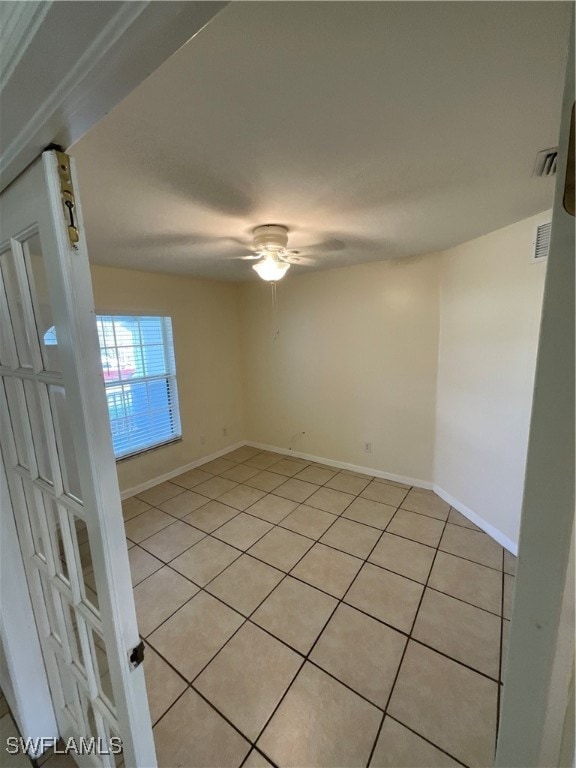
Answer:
[(170, 360)]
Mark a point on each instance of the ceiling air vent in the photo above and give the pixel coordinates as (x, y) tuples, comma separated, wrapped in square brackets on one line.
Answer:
[(542, 241), (546, 162)]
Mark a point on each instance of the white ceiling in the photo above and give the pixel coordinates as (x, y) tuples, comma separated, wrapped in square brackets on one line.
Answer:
[(373, 130)]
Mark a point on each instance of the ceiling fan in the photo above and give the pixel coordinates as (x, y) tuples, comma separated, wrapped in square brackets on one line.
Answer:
[(270, 248)]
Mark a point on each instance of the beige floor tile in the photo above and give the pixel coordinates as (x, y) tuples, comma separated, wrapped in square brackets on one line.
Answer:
[(158, 596), (351, 537), (243, 453), (459, 630), (308, 521), (509, 582), (317, 475), (241, 497), (59, 761), (398, 747), (330, 500), (256, 760), (369, 513), (263, 460), (159, 493), (295, 613), (195, 633), (281, 548), (162, 684), (473, 545), (295, 490), (320, 722), (426, 503), (385, 493), (456, 518), (243, 531), (403, 556), (467, 581), (142, 564), (192, 478), (361, 652), (289, 467), (217, 466), (272, 508), (205, 560), (417, 527), (266, 481), (211, 516), (245, 583), (397, 483), (240, 473), (327, 569), (184, 503), (248, 678), (215, 487), (133, 506), (509, 563), (505, 641), (172, 541), (8, 730), (348, 483), (448, 704), (146, 524), (194, 735), (386, 596)]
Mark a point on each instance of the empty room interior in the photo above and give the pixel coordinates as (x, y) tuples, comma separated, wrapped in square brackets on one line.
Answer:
[(318, 238)]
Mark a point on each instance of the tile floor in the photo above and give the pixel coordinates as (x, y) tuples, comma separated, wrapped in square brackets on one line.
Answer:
[(298, 615)]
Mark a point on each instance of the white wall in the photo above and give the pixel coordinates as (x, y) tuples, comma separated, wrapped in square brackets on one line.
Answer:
[(490, 306), (355, 361), (205, 325)]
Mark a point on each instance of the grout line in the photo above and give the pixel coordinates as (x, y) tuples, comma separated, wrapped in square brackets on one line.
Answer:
[(498, 700), (408, 728)]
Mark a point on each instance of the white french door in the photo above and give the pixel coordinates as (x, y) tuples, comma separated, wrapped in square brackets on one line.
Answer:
[(57, 451)]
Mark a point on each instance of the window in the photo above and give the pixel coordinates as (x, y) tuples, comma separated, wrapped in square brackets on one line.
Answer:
[(140, 376)]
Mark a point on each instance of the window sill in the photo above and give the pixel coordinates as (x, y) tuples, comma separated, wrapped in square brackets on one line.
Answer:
[(148, 450)]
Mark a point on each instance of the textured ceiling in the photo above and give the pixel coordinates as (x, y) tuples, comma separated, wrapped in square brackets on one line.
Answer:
[(373, 130)]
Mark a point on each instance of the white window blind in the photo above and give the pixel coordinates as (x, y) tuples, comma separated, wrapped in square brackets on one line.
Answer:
[(140, 375)]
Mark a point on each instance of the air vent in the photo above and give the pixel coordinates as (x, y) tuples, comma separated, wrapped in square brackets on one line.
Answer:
[(546, 162), (542, 241)]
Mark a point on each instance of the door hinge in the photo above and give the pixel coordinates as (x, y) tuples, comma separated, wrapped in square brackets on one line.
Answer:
[(67, 195), (137, 655)]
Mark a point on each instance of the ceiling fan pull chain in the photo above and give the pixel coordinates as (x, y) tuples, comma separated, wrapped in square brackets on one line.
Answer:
[(275, 329)]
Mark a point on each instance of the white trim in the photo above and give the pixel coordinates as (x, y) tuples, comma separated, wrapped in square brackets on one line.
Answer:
[(344, 465), (475, 518), (125, 494)]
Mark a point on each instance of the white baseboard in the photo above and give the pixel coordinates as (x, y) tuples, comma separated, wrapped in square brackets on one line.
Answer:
[(178, 471), (344, 465), (493, 532)]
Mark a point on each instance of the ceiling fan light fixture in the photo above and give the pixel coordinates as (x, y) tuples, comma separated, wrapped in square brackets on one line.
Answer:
[(271, 270)]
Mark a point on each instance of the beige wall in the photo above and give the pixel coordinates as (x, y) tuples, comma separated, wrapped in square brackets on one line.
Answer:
[(206, 340), (355, 362), (490, 306)]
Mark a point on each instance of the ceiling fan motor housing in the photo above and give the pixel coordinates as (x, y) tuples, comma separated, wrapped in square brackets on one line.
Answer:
[(271, 238)]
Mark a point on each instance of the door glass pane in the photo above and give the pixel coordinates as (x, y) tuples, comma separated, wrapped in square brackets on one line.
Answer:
[(41, 303), (18, 417), (38, 428), (69, 691), (15, 307), (65, 442), (73, 623), (84, 566), (49, 595), (103, 676), (57, 538), (6, 333), (36, 518)]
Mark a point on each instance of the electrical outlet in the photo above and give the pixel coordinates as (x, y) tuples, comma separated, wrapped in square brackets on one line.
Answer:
[(224, 431), (367, 447)]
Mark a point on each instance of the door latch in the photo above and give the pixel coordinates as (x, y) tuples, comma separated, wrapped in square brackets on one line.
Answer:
[(137, 655), (67, 195)]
